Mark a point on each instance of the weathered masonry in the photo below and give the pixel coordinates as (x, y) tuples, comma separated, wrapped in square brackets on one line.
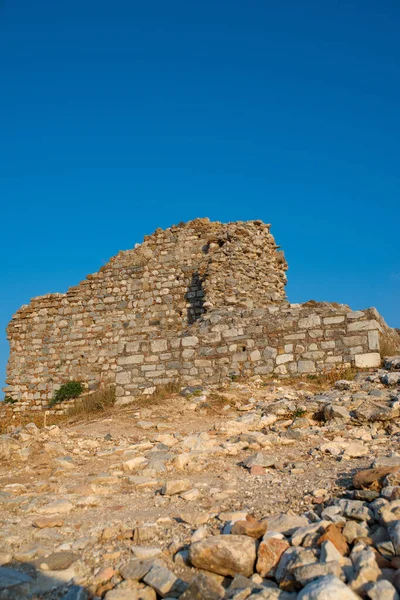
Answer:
[(198, 303)]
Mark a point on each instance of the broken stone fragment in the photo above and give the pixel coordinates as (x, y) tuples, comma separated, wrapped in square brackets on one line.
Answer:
[(372, 478), (269, 553), (250, 527), (203, 587), (327, 588), (334, 535), (58, 561), (171, 488), (225, 555), (43, 522), (286, 524), (161, 579)]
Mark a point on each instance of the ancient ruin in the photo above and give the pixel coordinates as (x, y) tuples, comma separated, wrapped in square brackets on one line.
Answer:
[(198, 303)]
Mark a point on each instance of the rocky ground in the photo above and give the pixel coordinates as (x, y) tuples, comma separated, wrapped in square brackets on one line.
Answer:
[(260, 490)]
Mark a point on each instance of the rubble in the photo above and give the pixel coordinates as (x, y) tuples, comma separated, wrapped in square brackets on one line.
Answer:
[(191, 517)]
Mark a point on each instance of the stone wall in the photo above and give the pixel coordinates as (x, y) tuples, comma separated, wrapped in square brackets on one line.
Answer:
[(164, 285), (198, 302), (278, 340)]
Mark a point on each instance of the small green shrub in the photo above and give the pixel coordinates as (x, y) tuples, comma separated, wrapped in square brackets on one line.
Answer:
[(9, 400), (299, 412), (68, 391)]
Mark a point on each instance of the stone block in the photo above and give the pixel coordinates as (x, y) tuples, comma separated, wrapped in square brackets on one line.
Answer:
[(333, 359), (309, 322), (364, 325), (354, 340), (368, 360), (135, 359), (306, 366), (190, 341), (284, 358), (373, 340), (255, 355), (315, 333), (123, 377), (333, 320), (159, 345)]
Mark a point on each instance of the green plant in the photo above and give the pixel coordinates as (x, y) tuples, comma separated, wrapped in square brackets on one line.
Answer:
[(68, 391), (9, 400), (299, 412), (195, 394)]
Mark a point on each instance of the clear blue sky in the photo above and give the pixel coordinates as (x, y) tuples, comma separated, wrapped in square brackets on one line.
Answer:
[(120, 117)]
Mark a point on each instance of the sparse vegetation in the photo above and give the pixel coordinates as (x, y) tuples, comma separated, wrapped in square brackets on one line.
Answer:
[(68, 391), (163, 391), (97, 402), (299, 413), (9, 400), (195, 394), (329, 376), (388, 346)]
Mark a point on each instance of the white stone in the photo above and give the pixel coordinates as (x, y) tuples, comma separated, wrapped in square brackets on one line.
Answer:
[(364, 325), (159, 345), (368, 360), (284, 358), (373, 340), (190, 341), (309, 322), (333, 320), (327, 588), (131, 360), (306, 366)]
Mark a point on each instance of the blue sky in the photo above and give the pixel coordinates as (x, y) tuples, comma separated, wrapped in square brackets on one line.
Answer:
[(120, 117)]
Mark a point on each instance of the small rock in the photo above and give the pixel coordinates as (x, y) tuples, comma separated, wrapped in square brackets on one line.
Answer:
[(177, 486), (250, 527), (161, 579), (203, 587)]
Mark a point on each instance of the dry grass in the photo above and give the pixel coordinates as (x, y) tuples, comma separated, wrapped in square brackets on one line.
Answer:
[(165, 391), (314, 381), (9, 420), (100, 401), (329, 377), (162, 392), (389, 346)]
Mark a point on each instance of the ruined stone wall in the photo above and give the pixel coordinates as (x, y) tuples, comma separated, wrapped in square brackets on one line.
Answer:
[(161, 287), (277, 340), (197, 303)]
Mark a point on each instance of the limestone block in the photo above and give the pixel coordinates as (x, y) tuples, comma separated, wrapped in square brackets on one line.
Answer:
[(284, 358), (333, 359), (135, 359), (355, 340), (364, 325), (368, 360), (333, 320), (373, 340), (158, 345), (123, 377), (309, 322), (306, 366), (255, 355), (190, 341)]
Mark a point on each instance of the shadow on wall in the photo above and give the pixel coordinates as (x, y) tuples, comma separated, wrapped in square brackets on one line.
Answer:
[(24, 580), (195, 298)]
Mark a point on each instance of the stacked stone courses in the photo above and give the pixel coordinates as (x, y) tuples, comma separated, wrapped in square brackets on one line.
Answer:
[(197, 303)]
